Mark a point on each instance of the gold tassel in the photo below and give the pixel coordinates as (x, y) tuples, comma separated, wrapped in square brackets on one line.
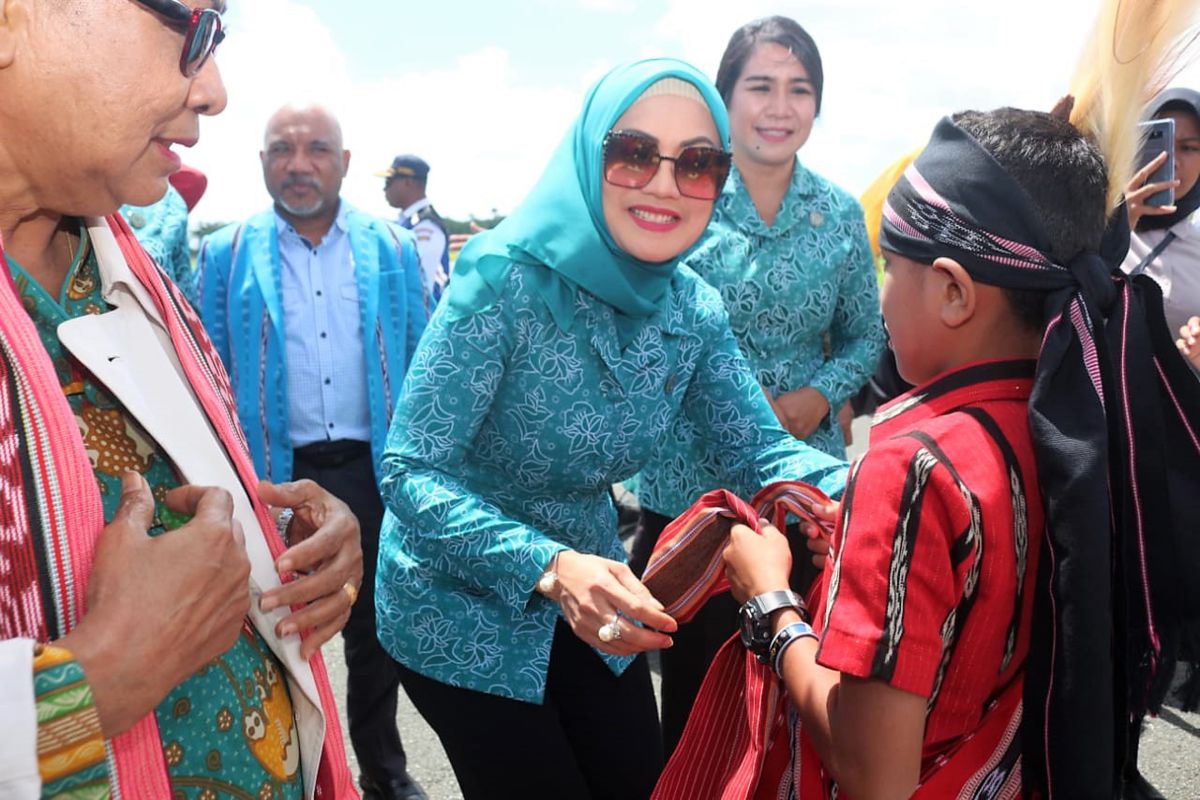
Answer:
[(1136, 49)]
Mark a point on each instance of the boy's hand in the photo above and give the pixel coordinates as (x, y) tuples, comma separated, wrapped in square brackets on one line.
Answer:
[(774, 406), (818, 544), (1189, 341), (819, 537), (757, 562)]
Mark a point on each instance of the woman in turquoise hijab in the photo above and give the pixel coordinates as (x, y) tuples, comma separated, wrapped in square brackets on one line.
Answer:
[(569, 341), (788, 251)]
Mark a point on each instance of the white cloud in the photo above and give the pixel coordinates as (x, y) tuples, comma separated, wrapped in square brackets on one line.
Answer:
[(486, 136), (281, 51), (610, 6), (891, 70)]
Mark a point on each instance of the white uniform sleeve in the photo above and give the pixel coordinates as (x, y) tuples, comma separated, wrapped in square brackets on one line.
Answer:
[(431, 243), (19, 777)]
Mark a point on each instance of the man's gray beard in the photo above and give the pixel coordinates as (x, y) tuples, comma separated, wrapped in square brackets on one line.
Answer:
[(303, 213)]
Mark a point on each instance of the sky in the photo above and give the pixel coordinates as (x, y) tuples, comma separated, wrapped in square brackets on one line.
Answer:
[(485, 89)]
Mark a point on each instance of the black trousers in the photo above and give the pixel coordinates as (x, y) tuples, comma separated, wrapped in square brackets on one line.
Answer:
[(345, 469), (595, 736), (685, 664)]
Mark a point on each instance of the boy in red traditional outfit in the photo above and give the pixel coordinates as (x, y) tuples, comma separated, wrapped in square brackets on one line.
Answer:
[(987, 623)]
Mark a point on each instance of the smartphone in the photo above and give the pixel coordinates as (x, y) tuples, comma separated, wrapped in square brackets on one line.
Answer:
[(1159, 137)]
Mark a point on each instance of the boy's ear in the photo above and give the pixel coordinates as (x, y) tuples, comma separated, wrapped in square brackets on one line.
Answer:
[(7, 39), (956, 292), (14, 14)]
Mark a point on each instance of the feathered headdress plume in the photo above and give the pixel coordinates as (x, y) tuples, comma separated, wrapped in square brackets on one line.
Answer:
[(1135, 50)]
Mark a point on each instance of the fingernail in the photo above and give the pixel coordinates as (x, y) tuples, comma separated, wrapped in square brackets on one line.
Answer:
[(267, 604), (287, 629), (283, 566)]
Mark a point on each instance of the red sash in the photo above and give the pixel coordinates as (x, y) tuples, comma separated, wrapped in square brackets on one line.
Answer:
[(738, 743), (738, 713)]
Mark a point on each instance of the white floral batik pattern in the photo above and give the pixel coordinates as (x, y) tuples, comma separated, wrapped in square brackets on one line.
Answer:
[(508, 435), (787, 288)]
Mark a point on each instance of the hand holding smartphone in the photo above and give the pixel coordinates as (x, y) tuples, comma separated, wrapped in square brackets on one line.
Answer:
[(1159, 139), (1151, 190)]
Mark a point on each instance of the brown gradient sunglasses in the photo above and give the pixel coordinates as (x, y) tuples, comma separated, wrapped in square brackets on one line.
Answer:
[(632, 159)]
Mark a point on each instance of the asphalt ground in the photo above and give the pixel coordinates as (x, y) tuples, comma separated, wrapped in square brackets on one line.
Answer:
[(1170, 755), (1170, 750)]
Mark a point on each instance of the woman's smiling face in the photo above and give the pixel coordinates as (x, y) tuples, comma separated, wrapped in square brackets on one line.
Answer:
[(772, 107), (656, 223)]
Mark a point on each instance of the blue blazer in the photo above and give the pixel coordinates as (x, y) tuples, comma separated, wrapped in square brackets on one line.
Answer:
[(239, 293)]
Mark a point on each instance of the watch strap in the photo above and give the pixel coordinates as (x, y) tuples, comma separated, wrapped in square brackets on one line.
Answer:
[(768, 603), (755, 616)]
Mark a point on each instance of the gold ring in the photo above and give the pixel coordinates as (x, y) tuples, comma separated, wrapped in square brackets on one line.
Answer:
[(350, 591)]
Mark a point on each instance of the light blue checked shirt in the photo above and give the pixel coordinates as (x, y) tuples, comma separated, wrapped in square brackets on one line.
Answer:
[(326, 373)]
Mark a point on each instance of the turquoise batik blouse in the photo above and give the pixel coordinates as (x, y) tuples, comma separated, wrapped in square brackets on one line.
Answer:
[(512, 426), (784, 287)]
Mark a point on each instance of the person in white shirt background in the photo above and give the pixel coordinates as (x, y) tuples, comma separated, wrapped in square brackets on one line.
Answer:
[(1165, 244), (404, 186)]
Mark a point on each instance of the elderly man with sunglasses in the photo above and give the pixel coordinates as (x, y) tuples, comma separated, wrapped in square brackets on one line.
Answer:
[(160, 616)]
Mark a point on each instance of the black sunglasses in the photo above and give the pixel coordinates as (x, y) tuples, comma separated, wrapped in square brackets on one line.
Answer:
[(631, 160), (201, 28)]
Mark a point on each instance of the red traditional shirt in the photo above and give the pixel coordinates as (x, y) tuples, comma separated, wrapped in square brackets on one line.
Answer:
[(935, 555), (929, 590)]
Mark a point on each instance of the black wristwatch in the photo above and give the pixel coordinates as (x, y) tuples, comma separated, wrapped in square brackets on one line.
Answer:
[(755, 618)]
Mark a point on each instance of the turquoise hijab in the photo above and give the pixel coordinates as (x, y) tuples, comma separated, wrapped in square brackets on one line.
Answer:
[(560, 225)]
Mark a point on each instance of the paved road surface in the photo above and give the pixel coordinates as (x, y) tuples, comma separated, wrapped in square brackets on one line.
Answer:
[(1170, 746)]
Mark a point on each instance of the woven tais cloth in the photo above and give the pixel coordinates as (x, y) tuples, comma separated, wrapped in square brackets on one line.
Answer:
[(742, 741), (739, 710)]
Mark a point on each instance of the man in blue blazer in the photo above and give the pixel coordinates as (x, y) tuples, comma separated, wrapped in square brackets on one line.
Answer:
[(316, 309)]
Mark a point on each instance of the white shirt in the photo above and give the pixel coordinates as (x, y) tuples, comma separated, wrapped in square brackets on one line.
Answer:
[(323, 336), (19, 776), (431, 243), (1176, 269)]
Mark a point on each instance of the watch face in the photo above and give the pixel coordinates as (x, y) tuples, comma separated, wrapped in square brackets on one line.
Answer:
[(746, 626), (755, 631)]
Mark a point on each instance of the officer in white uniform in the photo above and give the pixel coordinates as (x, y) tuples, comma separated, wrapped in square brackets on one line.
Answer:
[(404, 187)]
